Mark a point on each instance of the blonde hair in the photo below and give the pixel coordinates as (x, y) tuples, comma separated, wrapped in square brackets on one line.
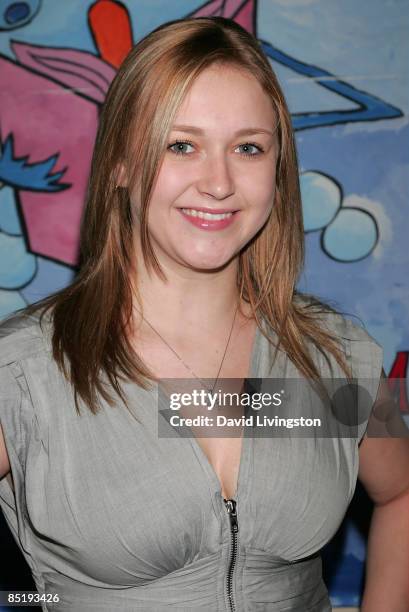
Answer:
[(91, 316)]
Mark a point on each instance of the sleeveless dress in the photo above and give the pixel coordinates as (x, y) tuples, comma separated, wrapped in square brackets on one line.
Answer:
[(110, 516)]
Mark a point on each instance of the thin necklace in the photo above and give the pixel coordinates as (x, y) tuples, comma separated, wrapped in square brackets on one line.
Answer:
[(180, 358)]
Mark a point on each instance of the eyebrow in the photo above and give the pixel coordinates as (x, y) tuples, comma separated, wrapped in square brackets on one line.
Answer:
[(242, 132)]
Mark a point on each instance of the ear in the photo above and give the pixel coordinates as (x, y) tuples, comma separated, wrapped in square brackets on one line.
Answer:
[(121, 175)]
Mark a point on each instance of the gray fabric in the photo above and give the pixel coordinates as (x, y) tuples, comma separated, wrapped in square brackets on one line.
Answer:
[(111, 517)]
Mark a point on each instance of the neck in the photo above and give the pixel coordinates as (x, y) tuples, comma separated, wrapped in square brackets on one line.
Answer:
[(190, 303)]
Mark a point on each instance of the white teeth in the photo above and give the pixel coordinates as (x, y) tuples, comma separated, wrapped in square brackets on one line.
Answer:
[(205, 215)]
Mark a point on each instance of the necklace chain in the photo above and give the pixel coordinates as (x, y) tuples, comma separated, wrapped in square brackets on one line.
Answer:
[(183, 362)]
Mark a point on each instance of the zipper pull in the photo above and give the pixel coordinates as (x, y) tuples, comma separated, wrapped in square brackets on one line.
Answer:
[(231, 509)]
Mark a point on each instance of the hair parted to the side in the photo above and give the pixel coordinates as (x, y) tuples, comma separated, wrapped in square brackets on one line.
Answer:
[(90, 317)]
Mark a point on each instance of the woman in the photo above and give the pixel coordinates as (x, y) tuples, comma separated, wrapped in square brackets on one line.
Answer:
[(192, 242)]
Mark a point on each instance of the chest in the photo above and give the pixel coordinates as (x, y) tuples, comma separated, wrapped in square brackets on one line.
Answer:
[(222, 446), (127, 506)]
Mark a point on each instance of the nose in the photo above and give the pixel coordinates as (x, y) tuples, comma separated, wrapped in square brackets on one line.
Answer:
[(216, 178)]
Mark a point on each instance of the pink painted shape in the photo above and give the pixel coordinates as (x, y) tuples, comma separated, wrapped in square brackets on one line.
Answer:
[(245, 16), (84, 72), (45, 119), (241, 11)]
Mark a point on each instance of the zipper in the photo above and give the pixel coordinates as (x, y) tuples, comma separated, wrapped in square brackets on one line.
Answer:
[(231, 507)]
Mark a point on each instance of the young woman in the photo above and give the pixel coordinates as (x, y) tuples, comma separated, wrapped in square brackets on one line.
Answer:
[(192, 243)]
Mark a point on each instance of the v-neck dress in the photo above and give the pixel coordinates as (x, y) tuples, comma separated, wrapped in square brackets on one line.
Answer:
[(111, 516)]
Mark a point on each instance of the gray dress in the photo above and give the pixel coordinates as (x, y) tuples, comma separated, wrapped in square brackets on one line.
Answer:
[(110, 516)]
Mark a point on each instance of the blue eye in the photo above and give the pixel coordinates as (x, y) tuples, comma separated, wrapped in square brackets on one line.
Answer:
[(179, 144), (254, 146)]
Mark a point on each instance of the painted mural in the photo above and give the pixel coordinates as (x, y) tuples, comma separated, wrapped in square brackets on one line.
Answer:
[(343, 71)]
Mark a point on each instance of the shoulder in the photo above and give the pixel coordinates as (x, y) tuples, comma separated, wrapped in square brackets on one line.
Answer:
[(336, 322), (23, 335), (363, 352), (26, 373)]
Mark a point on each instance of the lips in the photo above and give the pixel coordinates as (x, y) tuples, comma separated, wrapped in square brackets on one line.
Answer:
[(209, 219)]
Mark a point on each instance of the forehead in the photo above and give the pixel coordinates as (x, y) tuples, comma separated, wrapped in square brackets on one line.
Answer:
[(227, 98)]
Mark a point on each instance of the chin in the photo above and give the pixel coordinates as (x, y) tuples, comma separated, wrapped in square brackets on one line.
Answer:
[(209, 264)]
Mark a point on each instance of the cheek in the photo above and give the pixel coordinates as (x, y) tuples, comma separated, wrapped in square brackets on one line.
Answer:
[(170, 183), (259, 183), (261, 196)]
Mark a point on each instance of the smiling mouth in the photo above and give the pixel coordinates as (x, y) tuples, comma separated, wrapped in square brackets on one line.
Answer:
[(192, 212)]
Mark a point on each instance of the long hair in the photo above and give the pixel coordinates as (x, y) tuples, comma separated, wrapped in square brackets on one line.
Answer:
[(91, 316)]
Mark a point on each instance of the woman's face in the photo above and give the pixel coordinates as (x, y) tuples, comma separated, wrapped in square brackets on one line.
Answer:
[(220, 160)]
